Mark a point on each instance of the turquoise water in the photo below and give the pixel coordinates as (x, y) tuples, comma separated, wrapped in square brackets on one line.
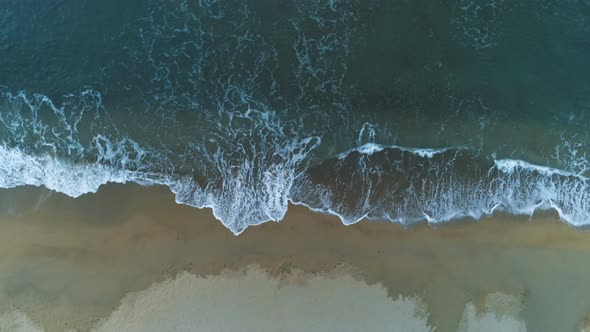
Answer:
[(396, 110)]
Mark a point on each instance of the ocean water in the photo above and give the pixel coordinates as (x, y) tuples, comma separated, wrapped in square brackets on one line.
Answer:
[(388, 110)]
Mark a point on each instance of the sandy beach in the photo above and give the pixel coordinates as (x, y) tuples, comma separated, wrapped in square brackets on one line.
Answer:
[(129, 258)]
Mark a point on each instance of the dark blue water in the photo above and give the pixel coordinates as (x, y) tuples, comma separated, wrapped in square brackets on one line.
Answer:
[(395, 110)]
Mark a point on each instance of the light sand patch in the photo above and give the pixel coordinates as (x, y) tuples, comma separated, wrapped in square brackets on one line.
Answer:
[(500, 312), (255, 301), (14, 320), (585, 324)]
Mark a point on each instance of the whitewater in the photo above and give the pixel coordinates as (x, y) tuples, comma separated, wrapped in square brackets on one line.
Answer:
[(371, 181)]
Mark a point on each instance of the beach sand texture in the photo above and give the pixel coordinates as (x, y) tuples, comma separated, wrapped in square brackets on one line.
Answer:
[(129, 258)]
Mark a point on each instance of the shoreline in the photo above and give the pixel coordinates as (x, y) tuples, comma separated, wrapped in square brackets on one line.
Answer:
[(71, 263)]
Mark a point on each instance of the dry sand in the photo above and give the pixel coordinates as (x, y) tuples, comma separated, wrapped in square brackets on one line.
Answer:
[(89, 263)]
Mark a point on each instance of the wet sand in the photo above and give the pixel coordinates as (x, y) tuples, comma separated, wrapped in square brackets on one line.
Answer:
[(86, 263)]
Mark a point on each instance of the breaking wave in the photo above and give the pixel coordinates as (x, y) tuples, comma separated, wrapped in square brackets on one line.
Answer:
[(371, 181)]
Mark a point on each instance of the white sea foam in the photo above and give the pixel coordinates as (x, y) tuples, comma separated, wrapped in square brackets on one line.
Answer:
[(371, 148), (20, 169), (366, 149), (510, 166), (238, 204), (443, 193), (15, 320), (518, 188)]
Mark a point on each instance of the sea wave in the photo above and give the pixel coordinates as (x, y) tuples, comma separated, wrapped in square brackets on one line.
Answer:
[(397, 184), (408, 185)]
